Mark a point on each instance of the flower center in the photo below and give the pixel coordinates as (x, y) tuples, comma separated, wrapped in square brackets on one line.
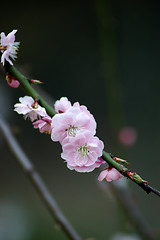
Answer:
[(72, 131), (32, 115), (83, 150), (13, 49)]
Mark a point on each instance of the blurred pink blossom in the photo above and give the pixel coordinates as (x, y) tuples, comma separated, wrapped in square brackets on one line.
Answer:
[(109, 174), (127, 136), (8, 47)]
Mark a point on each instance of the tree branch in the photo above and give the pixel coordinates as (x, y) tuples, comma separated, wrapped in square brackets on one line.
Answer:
[(106, 156), (27, 86), (37, 181), (132, 176)]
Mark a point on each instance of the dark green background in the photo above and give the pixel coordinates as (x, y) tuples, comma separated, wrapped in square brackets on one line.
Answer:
[(106, 55)]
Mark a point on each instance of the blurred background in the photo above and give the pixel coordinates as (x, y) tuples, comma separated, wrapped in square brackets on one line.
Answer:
[(106, 55)]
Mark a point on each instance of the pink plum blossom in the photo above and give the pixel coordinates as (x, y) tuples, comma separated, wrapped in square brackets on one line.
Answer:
[(44, 125), (82, 153), (12, 82), (109, 174), (29, 108), (62, 105), (83, 109), (71, 122), (8, 47)]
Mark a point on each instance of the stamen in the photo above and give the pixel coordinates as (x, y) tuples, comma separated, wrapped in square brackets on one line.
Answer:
[(83, 150), (72, 131)]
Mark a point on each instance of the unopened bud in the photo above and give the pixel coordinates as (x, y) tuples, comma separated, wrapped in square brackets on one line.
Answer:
[(134, 176), (35, 104), (120, 160), (12, 81), (35, 81)]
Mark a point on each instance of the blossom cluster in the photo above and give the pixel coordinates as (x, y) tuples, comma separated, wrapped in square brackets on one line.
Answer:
[(73, 125), (75, 128)]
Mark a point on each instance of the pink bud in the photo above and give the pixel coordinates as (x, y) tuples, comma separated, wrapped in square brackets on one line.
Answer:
[(12, 82), (35, 81)]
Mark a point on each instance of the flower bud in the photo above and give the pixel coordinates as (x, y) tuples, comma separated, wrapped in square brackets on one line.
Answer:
[(11, 80), (120, 160), (35, 81)]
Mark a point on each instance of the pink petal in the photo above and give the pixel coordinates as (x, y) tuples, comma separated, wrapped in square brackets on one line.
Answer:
[(102, 175), (13, 84)]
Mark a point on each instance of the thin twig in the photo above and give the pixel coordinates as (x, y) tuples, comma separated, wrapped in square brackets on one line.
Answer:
[(37, 181), (28, 87), (133, 176), (106, 156), (149, 189)]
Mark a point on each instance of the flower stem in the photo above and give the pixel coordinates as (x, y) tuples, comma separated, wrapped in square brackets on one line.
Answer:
[(51, 112), (127, 173), (32, 92)]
